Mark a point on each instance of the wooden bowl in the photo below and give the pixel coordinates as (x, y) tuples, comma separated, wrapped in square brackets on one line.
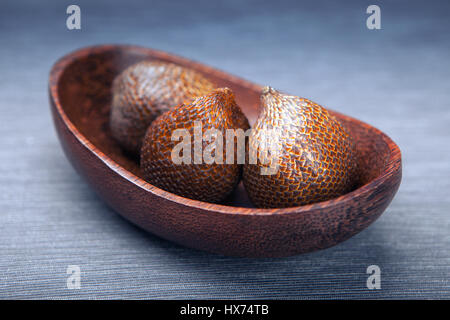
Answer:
[(80, 96)]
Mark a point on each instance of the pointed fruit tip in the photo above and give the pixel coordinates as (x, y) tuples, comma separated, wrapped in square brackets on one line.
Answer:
[(224, 94), (267, 90)]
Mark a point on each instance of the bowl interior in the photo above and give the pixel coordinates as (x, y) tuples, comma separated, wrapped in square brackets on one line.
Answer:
[(84, 90)]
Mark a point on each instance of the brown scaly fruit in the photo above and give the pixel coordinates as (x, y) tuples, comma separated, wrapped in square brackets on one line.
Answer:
[(312, 159), (145, 90), (202, 181)]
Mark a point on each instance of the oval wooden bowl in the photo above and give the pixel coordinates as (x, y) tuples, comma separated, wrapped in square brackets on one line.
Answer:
[(80, 98)]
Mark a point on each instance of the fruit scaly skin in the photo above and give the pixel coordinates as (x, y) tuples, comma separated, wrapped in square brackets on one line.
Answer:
[(205, 182), (316, 157), (145, 90)]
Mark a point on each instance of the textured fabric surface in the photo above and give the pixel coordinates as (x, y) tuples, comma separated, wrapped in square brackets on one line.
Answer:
[(396, 79)]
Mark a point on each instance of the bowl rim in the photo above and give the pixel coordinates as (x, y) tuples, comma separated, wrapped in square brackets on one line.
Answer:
[(392, 164)]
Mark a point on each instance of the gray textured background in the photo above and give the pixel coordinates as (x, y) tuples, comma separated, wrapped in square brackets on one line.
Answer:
[(396, 79)]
